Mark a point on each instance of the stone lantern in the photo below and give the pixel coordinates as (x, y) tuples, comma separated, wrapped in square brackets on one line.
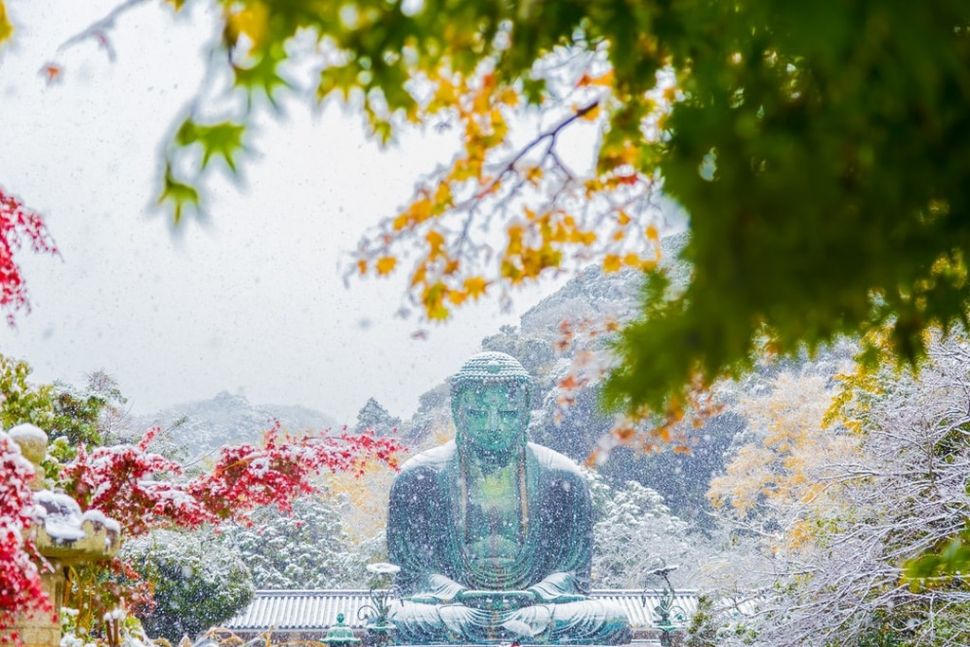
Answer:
[(340, 634), (62, 534)]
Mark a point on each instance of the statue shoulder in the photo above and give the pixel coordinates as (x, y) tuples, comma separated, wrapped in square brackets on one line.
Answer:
[(434, 459), (553, 461)]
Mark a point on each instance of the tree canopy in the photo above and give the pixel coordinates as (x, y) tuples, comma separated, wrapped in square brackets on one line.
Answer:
[(816, 148)]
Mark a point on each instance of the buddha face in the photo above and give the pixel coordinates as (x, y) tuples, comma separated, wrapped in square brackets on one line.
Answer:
[(492, 417)]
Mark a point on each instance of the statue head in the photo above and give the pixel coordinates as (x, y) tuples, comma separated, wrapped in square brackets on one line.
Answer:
[(491, 397)]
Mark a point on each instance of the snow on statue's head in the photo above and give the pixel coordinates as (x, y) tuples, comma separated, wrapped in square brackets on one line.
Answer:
[(491, 398)]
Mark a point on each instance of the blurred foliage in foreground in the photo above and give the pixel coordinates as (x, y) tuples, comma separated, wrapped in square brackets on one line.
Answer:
[(816, 148)]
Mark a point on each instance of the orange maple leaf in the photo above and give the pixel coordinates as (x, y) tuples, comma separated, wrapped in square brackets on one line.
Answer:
[(52, 72), (569, 382), (385, 265)]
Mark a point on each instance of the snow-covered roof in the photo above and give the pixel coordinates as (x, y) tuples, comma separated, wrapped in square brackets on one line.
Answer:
[(312, 611)]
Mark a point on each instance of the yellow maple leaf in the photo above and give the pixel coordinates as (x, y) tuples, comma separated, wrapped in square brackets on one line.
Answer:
[(611, 263), (511, 271), (438, 313), (445, 95), (509, 97), (385, 265), (252, 21), (475, 286), (433, 299), (400, 222), (435, 241), (6, 29), (420, 210), (515, 239), (592, 114), (419, 274), (442, 197)]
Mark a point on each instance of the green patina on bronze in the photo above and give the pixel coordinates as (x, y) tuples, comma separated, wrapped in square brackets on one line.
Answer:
[(340, 634), (493, 534)]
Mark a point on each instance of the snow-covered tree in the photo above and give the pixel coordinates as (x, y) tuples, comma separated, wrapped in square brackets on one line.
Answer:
[(633, 531), (375, 418), (884, 483), (775, 474), (308, 548), (197, 581)]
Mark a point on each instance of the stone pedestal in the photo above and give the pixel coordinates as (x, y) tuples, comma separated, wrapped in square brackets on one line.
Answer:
[(42, 629)]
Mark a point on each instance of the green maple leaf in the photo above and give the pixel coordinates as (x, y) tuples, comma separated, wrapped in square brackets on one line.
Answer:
[(179, 194), (223, 139), (263, 74)]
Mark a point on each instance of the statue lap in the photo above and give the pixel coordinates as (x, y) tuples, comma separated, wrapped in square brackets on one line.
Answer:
[(588, 621)]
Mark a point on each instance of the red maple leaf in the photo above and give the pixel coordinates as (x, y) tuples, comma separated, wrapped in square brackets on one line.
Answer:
[(17, 225)]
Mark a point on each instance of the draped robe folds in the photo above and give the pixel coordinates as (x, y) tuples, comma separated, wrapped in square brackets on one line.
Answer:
[(429, 538)]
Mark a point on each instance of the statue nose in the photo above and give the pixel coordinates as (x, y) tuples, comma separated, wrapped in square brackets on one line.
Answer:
[(492, 418)]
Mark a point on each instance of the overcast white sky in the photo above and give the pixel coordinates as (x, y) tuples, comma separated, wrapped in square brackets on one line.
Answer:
[(252, 302)]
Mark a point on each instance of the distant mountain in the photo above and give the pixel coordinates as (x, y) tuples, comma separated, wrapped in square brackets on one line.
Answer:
[(196, 428)]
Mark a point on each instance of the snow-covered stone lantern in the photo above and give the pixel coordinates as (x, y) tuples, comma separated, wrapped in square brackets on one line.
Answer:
[(63, 535)]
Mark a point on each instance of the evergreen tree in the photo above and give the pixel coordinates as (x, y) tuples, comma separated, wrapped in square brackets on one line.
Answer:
[(306, 549), (374, 417), (198, 582)]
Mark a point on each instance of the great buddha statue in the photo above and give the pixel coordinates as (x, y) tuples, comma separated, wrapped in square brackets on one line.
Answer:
[(493, 533)]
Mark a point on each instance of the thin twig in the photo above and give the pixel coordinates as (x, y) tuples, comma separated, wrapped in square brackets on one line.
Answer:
[(99, 28)]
